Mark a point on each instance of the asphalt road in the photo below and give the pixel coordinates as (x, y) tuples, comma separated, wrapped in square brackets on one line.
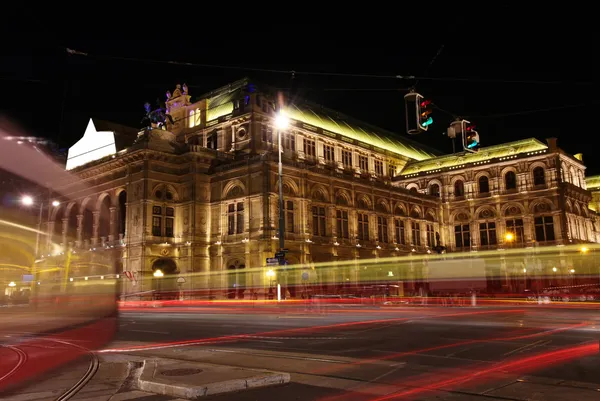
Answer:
[(356, 353)]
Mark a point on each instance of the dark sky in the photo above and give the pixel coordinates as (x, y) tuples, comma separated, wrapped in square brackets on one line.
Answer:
[(479, 61)]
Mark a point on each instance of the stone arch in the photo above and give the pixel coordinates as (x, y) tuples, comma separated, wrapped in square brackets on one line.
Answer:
[(236, 277), (101, 199), (234, 189), (569, 206), (400, 209), (363, 202), (462, 215), (458, 177), (382, 206), (541, 205), (416, 212), (534, 168), (577, 209), (430, 215), (506, 171), (166, 284), (485, 212), (513, 209), (103, 207), (343, 198), (87, 223), (165, 265), (413, 185), (482, 180), (290, 187), (434, 187), (319, 193), (174, 193)]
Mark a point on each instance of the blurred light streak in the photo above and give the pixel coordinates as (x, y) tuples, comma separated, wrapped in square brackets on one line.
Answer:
[(521, 365)]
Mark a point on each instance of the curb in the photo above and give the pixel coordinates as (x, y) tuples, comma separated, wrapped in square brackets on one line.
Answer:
[(262, 379)]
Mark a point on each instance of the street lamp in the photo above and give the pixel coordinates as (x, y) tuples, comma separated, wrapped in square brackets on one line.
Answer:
[(12, 284), (158, 273), (27, 200), (281, 123)]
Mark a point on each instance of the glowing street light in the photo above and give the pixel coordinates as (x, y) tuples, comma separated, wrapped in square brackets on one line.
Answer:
[(55, 203), (281, 121), (509, 237), (583, 249), (27, 200), (158, 273), (12, 284), (270, 273)]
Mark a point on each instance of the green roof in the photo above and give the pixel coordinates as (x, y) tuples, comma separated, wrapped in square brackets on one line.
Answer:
[(332, 121), (592, 182), (220, 103), (504, 150)]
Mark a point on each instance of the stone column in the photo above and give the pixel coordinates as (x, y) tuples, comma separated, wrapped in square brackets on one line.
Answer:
[(96, 226), (113, 224)]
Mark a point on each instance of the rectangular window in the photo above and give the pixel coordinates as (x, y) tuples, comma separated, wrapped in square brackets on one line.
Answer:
[(169, 227), (363, 226), (462, 236), (391, 170), (240, 218), (328, 154), (318, 214), (430, 235), (544, 228), (231, 219), (382, 229), (347, 158), (266, 134), (309, 147), (363, 163), (342, 224), (157, 210), (289, 142), (487, 234), (378, 167), (515, 227), (399, 231), (157, 226), (289, 216), (416, 233)]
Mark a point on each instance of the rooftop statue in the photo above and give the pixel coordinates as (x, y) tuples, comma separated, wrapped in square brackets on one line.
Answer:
[(156, 117)]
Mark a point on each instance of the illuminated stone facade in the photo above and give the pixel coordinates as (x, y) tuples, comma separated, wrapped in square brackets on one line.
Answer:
[(201, 195)]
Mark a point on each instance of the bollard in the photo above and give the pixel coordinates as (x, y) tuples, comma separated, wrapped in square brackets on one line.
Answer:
[(473, 299)]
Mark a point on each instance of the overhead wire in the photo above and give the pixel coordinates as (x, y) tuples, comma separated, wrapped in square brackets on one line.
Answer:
[(74, 52)]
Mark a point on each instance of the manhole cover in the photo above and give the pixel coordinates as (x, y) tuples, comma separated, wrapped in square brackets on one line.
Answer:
[(180, 372)]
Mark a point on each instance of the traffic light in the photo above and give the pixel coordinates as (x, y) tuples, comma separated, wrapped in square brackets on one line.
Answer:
[(470, 137), (418, 110), (425, 120)]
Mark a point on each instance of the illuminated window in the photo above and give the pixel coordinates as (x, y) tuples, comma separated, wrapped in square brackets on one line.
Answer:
[(342, 223), (515, 227), (319, 221), (363, 226)]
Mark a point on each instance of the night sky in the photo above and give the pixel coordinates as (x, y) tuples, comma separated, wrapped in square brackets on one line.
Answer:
[(514, 77)]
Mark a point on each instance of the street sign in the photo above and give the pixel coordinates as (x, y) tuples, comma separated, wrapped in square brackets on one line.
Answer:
[(285, 250), (272, 260), (180, 280), (280, 254)]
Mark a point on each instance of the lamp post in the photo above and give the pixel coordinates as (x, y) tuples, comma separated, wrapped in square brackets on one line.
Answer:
[(281, 122), (27, 200)]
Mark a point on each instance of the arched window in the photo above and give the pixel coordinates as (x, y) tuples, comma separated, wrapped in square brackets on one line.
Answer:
[(510, 180), (459, 188), (484, 185), (539, 176), (413, 189), (434, 190)]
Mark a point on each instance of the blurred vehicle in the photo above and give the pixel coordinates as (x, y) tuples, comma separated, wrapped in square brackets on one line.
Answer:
[(56, 305)]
